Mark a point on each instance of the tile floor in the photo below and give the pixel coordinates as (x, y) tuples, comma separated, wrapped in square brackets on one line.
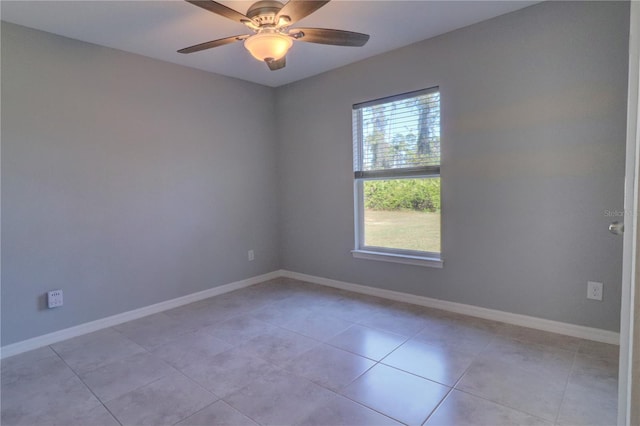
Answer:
[(290, 353)]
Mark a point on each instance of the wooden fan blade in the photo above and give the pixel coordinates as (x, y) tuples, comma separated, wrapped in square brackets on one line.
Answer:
[(221, 10), (212, 44), (276, 65), (295, 10), (332, 37)]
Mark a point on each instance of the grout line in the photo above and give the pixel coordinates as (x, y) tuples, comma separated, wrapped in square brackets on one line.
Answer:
[(566, 386), (197, 384), (376, 362), (438, 405), (550, 326), (488, 399), (484, 350), (86, 386), (350, 295), (193, 414), (241, 412), (503, 405), (287, 371), (372, 409), (453, 387)]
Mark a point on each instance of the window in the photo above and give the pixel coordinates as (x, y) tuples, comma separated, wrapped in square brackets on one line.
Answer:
[(396, 143)]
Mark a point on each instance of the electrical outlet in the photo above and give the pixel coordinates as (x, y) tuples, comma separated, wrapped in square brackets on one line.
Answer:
[(594, 290), (54, 298), (250, 255)]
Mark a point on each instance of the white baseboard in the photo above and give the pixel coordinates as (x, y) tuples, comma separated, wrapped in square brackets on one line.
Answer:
[(589, 333), (89, 327), (582, 332)]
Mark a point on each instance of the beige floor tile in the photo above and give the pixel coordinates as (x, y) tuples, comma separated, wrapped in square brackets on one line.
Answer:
[(273, 290), (543, 338), (368, 342), (355, 307), (115, 379), (239, 329), (330, 367), (191, 348), (463, 409), (395, 320), (88, 352), (219, 414), (229, 371), (242, 302), (154, 330), (440, 364), (279, 398), (278, 346), (258, 298), (528, 391), (594, 372), (200, 314), (163, 402), (24, 375), (185, 311), (589, 406), (591, 395), (317, 325), (316, 298), (66, 401), (340, 411), (280, 313), (397, 394), (469, 337), (599, 350), (27, 358), (98, 416), (542, 360)]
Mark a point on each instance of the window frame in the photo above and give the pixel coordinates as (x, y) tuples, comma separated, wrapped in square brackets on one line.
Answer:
[(388, 254)]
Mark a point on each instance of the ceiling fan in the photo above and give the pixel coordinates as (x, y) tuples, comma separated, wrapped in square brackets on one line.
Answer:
[(270, 20)]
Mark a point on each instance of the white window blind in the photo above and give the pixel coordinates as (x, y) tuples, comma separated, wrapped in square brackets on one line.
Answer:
[(398, 136)]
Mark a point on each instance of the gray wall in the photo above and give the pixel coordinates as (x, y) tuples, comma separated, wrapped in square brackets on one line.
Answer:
[(533, 142), (126, 181)]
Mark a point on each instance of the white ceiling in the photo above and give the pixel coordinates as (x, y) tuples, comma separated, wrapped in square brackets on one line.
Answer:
[(157, 29)]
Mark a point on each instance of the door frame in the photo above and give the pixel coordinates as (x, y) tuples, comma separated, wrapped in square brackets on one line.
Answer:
[(630, 241)]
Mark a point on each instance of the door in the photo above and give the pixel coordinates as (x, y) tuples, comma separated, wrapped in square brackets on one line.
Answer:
[(629, 382)]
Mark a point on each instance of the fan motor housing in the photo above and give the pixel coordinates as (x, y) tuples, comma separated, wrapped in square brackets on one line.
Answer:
[(264, 12)]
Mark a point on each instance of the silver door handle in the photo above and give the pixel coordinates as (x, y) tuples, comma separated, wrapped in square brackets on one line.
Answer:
[(616, 228)]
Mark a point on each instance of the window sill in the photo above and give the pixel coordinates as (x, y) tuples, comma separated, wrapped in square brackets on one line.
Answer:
[(432, 262)]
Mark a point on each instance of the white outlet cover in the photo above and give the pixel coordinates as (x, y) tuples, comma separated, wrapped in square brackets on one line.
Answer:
[(54, 298), (594, 290)]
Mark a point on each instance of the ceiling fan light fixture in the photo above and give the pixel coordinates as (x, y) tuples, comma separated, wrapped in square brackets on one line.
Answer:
[(268, 45)]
